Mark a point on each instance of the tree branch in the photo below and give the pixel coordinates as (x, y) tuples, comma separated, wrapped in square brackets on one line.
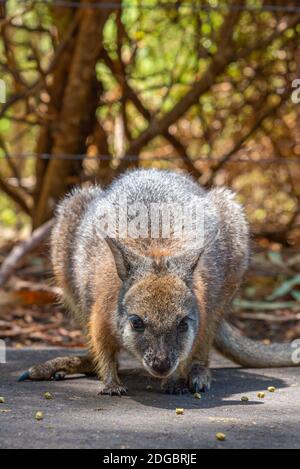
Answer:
[(14, 194), (226, 54)]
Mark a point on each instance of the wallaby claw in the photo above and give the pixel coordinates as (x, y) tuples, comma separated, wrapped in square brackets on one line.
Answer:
[(24, 377), (112, 390), (199, 379), (39, 374)]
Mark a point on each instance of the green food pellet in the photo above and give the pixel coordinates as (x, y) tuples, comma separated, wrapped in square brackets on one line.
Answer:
[(179, 411), (261, 395), (221, 437), (2, 400), (48, 396), (271, 389), (197, 395), (149, 387), (39, 416), (244, 399)]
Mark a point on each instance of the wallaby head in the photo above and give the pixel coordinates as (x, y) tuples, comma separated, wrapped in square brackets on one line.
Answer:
[(158, 313)]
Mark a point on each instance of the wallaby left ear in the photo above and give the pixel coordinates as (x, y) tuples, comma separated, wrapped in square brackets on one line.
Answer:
[(122, 266)]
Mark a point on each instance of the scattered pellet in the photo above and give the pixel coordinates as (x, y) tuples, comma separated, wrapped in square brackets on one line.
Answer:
[(271, 389), (2, 400), (245, 399), (197, 395), (39, 416), (261, 395), (179, 411), (48, 396), (221, 436)]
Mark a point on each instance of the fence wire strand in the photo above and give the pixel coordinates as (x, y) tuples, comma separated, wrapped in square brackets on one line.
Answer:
[(141, 158), (158, 6), (164, 6)]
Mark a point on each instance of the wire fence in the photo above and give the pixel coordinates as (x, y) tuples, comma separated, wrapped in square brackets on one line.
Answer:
[(178, 6), (194, 6), (141, 158)]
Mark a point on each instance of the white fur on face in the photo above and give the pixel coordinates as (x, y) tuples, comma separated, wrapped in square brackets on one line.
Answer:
[(188, 345), (129, 340)]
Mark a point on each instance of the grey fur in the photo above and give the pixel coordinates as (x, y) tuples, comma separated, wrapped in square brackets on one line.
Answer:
[(79, 253)]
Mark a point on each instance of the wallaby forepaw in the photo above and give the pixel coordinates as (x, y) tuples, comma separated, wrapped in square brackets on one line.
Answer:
[(199, 379), (112, 389), (175, 386)]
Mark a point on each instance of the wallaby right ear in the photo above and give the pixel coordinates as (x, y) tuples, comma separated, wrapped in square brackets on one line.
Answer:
[(185, 264), (126, 260)]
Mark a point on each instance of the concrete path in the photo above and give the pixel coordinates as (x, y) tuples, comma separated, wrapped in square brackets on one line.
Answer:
[(78, 418)]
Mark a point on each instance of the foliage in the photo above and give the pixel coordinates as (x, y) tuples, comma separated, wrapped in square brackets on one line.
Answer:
[(195, 87)]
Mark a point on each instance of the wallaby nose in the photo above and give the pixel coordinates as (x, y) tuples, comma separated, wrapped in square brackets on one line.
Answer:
[(161, 365)]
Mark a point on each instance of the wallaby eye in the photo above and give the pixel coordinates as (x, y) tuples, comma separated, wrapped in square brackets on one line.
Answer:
[(136, 323), (183, 325)]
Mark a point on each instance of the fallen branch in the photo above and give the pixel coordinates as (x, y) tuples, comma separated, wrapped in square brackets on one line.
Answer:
[(294, 261), (269, 317), (28, 293), (13, 260), (265, 305)]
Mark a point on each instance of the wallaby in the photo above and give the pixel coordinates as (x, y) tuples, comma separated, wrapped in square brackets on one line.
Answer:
[(160, 294)]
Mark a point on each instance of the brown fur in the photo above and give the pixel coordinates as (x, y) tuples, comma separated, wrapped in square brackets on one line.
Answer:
[(179, 294)]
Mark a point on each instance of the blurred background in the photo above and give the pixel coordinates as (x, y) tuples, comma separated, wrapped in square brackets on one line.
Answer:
[(90, 89)]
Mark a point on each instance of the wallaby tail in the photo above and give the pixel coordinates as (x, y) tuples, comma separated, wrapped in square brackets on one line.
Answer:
[(251, 354)]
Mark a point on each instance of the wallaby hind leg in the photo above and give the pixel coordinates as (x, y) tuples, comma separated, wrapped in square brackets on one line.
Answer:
[(58, 368)]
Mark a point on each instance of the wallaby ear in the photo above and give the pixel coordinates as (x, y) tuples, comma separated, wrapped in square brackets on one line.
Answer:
[(192, 259), (125, 259), (122, 265), (185, 264)]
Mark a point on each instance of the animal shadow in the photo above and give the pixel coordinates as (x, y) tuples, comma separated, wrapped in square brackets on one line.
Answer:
[(227, 383)]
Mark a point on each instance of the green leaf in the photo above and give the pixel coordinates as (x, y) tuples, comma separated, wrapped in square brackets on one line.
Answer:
[(296, 295), (285, 288), (276, 258)]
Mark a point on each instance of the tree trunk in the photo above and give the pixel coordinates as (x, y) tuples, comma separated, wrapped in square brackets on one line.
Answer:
[(63, 19), (77, 111)]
